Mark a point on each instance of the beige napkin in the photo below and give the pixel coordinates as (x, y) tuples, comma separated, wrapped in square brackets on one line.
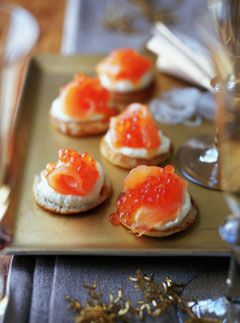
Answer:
[(181, 56)]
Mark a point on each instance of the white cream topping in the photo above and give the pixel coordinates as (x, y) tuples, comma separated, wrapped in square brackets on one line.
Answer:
[(71, 201), (57, 111), (163, 148), (125, 85), (182, 213)]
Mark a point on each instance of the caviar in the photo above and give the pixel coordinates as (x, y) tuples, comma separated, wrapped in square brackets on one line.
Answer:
[(85, 96), (125, 63), (73, 174), (113, 218), (135, 128), (157, 191)]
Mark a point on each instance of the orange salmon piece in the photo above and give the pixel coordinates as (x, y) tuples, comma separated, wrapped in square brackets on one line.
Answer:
[(73, 174), (152, 195), (125, 64), (84, 97), (135, 128)]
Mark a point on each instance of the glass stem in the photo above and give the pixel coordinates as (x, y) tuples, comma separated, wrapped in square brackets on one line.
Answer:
[(233, 281)]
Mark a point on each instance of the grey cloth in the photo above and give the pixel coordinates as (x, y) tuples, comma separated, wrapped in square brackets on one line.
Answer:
[(38, 285)]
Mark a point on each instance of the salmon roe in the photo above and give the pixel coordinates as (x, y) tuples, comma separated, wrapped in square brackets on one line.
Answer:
[(73, 174), (157, 190), (85, 96), (125, 64), (135, 128)]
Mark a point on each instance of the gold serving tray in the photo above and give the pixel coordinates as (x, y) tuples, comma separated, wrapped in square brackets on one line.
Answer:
[(35, 231)]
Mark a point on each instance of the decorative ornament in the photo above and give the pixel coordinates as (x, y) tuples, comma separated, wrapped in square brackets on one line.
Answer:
[(156, 298)]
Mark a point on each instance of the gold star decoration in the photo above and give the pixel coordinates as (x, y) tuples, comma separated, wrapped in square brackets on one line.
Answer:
[(156, 298)]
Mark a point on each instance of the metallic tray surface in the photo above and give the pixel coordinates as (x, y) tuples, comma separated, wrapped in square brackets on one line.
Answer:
[(35, 231)]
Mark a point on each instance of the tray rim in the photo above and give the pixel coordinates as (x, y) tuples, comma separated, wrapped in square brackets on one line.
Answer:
[(116, 252)]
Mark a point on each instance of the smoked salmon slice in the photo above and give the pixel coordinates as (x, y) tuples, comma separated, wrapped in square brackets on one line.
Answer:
[(73, 174), (125, 64), (84, 97), (135, 128), (151, 196)]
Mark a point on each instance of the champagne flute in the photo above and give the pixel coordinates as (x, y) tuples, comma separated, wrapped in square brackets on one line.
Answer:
[(226, 307), (18, 34), (198, 158), (224, 47), (226, 59)]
